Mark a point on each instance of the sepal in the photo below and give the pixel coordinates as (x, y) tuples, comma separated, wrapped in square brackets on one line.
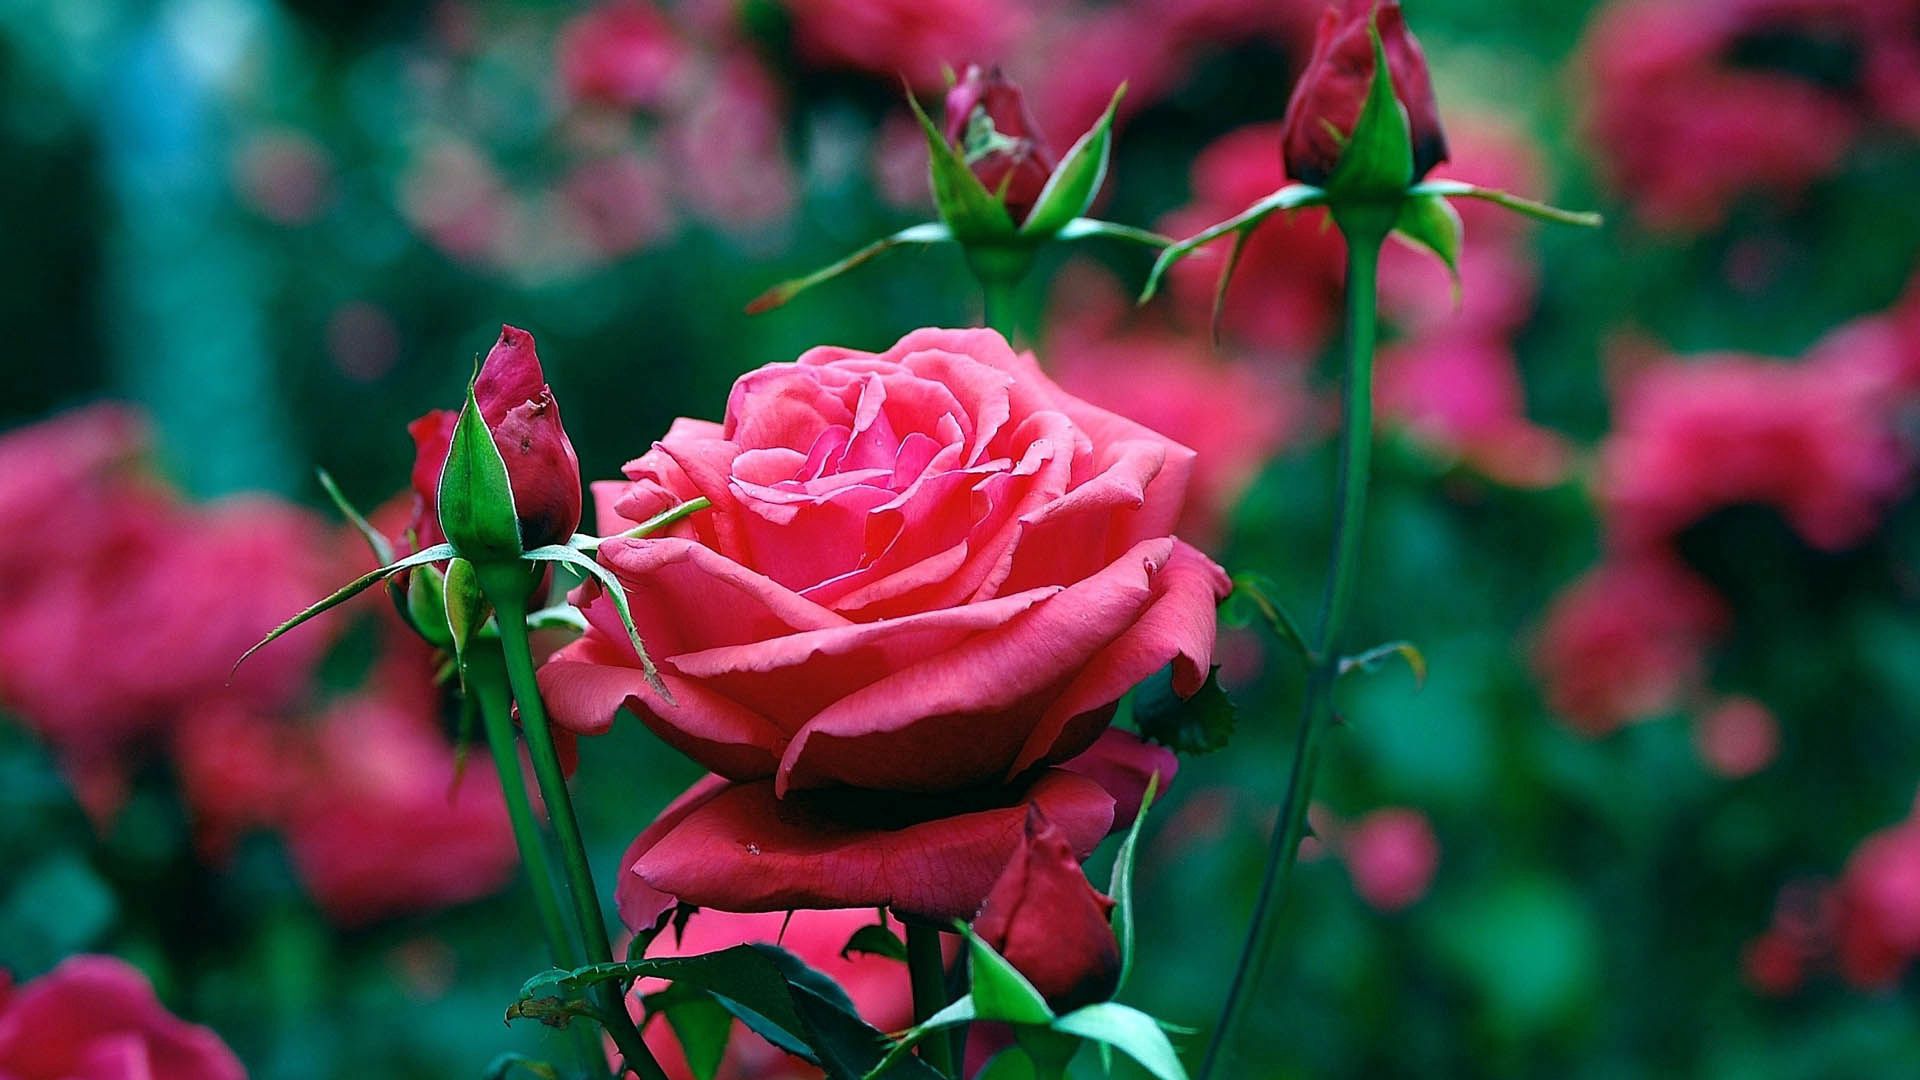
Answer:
[(476, 498), (1076, 181)]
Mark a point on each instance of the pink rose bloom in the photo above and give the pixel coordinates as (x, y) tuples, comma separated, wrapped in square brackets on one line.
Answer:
[(618, 202), (386, 824), (1691, 437), (1626, 642), (877, 985), (96, 1018), (1460, 395), (623, 54), (1686, 126), (59, 477), (1235, 416), (238, 770), (1287, 293), (926, 576), (911, 38), (207, 583), (1392, 855)]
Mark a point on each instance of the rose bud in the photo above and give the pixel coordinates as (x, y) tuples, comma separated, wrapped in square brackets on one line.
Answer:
[(1332, 91), (519, 411), (988, 122), (1049, 923)]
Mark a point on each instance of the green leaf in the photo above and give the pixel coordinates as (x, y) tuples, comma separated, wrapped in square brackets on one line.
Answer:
[(1009, 1064), (1076, 180), (959, 1012), (1082, 228), (875, 940), (1537, 210), (1000, 992), (382, 548), (1370, 661), (476, 498), (703, 1026), (558, 617), (1259, 591), (465, 604), (1431, 224), (1129, 1031), (426, 611), (503, 1066), (973, 213), (931, 232), (1291, 197), (591, 544), (1120, 888), (349, 591), (616, 592), (773, 992), (1200, 724), (1377, 162)]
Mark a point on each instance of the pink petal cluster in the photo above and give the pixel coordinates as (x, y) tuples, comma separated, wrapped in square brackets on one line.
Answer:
[(123, 607), (97, 1017), (1865, 927), (926, 577), (1696, 104), (1626, 642), (877, 985), (1695, 436)]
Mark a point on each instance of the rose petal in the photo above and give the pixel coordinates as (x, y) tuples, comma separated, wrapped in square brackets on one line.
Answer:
[(741, 849)]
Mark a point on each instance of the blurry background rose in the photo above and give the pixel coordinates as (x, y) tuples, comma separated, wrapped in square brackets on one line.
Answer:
[(1646, 498)]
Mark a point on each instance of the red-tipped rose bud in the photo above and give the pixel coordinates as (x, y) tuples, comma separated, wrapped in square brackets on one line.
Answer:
[(1049, 923), (988, 122), (521, 415), (1329, 97)]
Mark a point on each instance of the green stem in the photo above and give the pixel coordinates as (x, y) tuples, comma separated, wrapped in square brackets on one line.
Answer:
[(486, 679), (927, 968), (1365, 233), (1001, 295), (505, 586)]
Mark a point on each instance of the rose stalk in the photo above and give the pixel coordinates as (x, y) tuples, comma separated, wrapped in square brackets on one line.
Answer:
[(497, 498), (1000, 192), (1361, 132)]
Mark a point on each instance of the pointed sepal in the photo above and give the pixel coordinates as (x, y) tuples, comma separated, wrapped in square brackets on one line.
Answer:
[(1431, 224), (973, 214), (349, 591), (1377, 161), (1291, 197), (1076, 181), (561, 553), (1539, 211), (476, 498), (925, 233)]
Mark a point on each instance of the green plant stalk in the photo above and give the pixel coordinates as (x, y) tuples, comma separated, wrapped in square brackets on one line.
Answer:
[(1000, 299), (505, 586), (486, 679), (1366, 229), (927, 968)]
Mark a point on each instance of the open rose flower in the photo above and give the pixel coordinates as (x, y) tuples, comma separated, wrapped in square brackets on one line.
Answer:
[(96, 1018), (927, 576)]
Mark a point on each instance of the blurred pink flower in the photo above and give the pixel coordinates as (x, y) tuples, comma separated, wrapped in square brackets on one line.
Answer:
[(726, 153), (623, 54), (285, 176), (238, 770), (1286, 294), (1392, 855), (388, 823), (452, 195), (1688, 116), (911, 38), (1460, 395), (1626, 642), (1737, 737), (1691, 437), (618, 202), (1236, 417), (96, 1018), (877, 985)]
